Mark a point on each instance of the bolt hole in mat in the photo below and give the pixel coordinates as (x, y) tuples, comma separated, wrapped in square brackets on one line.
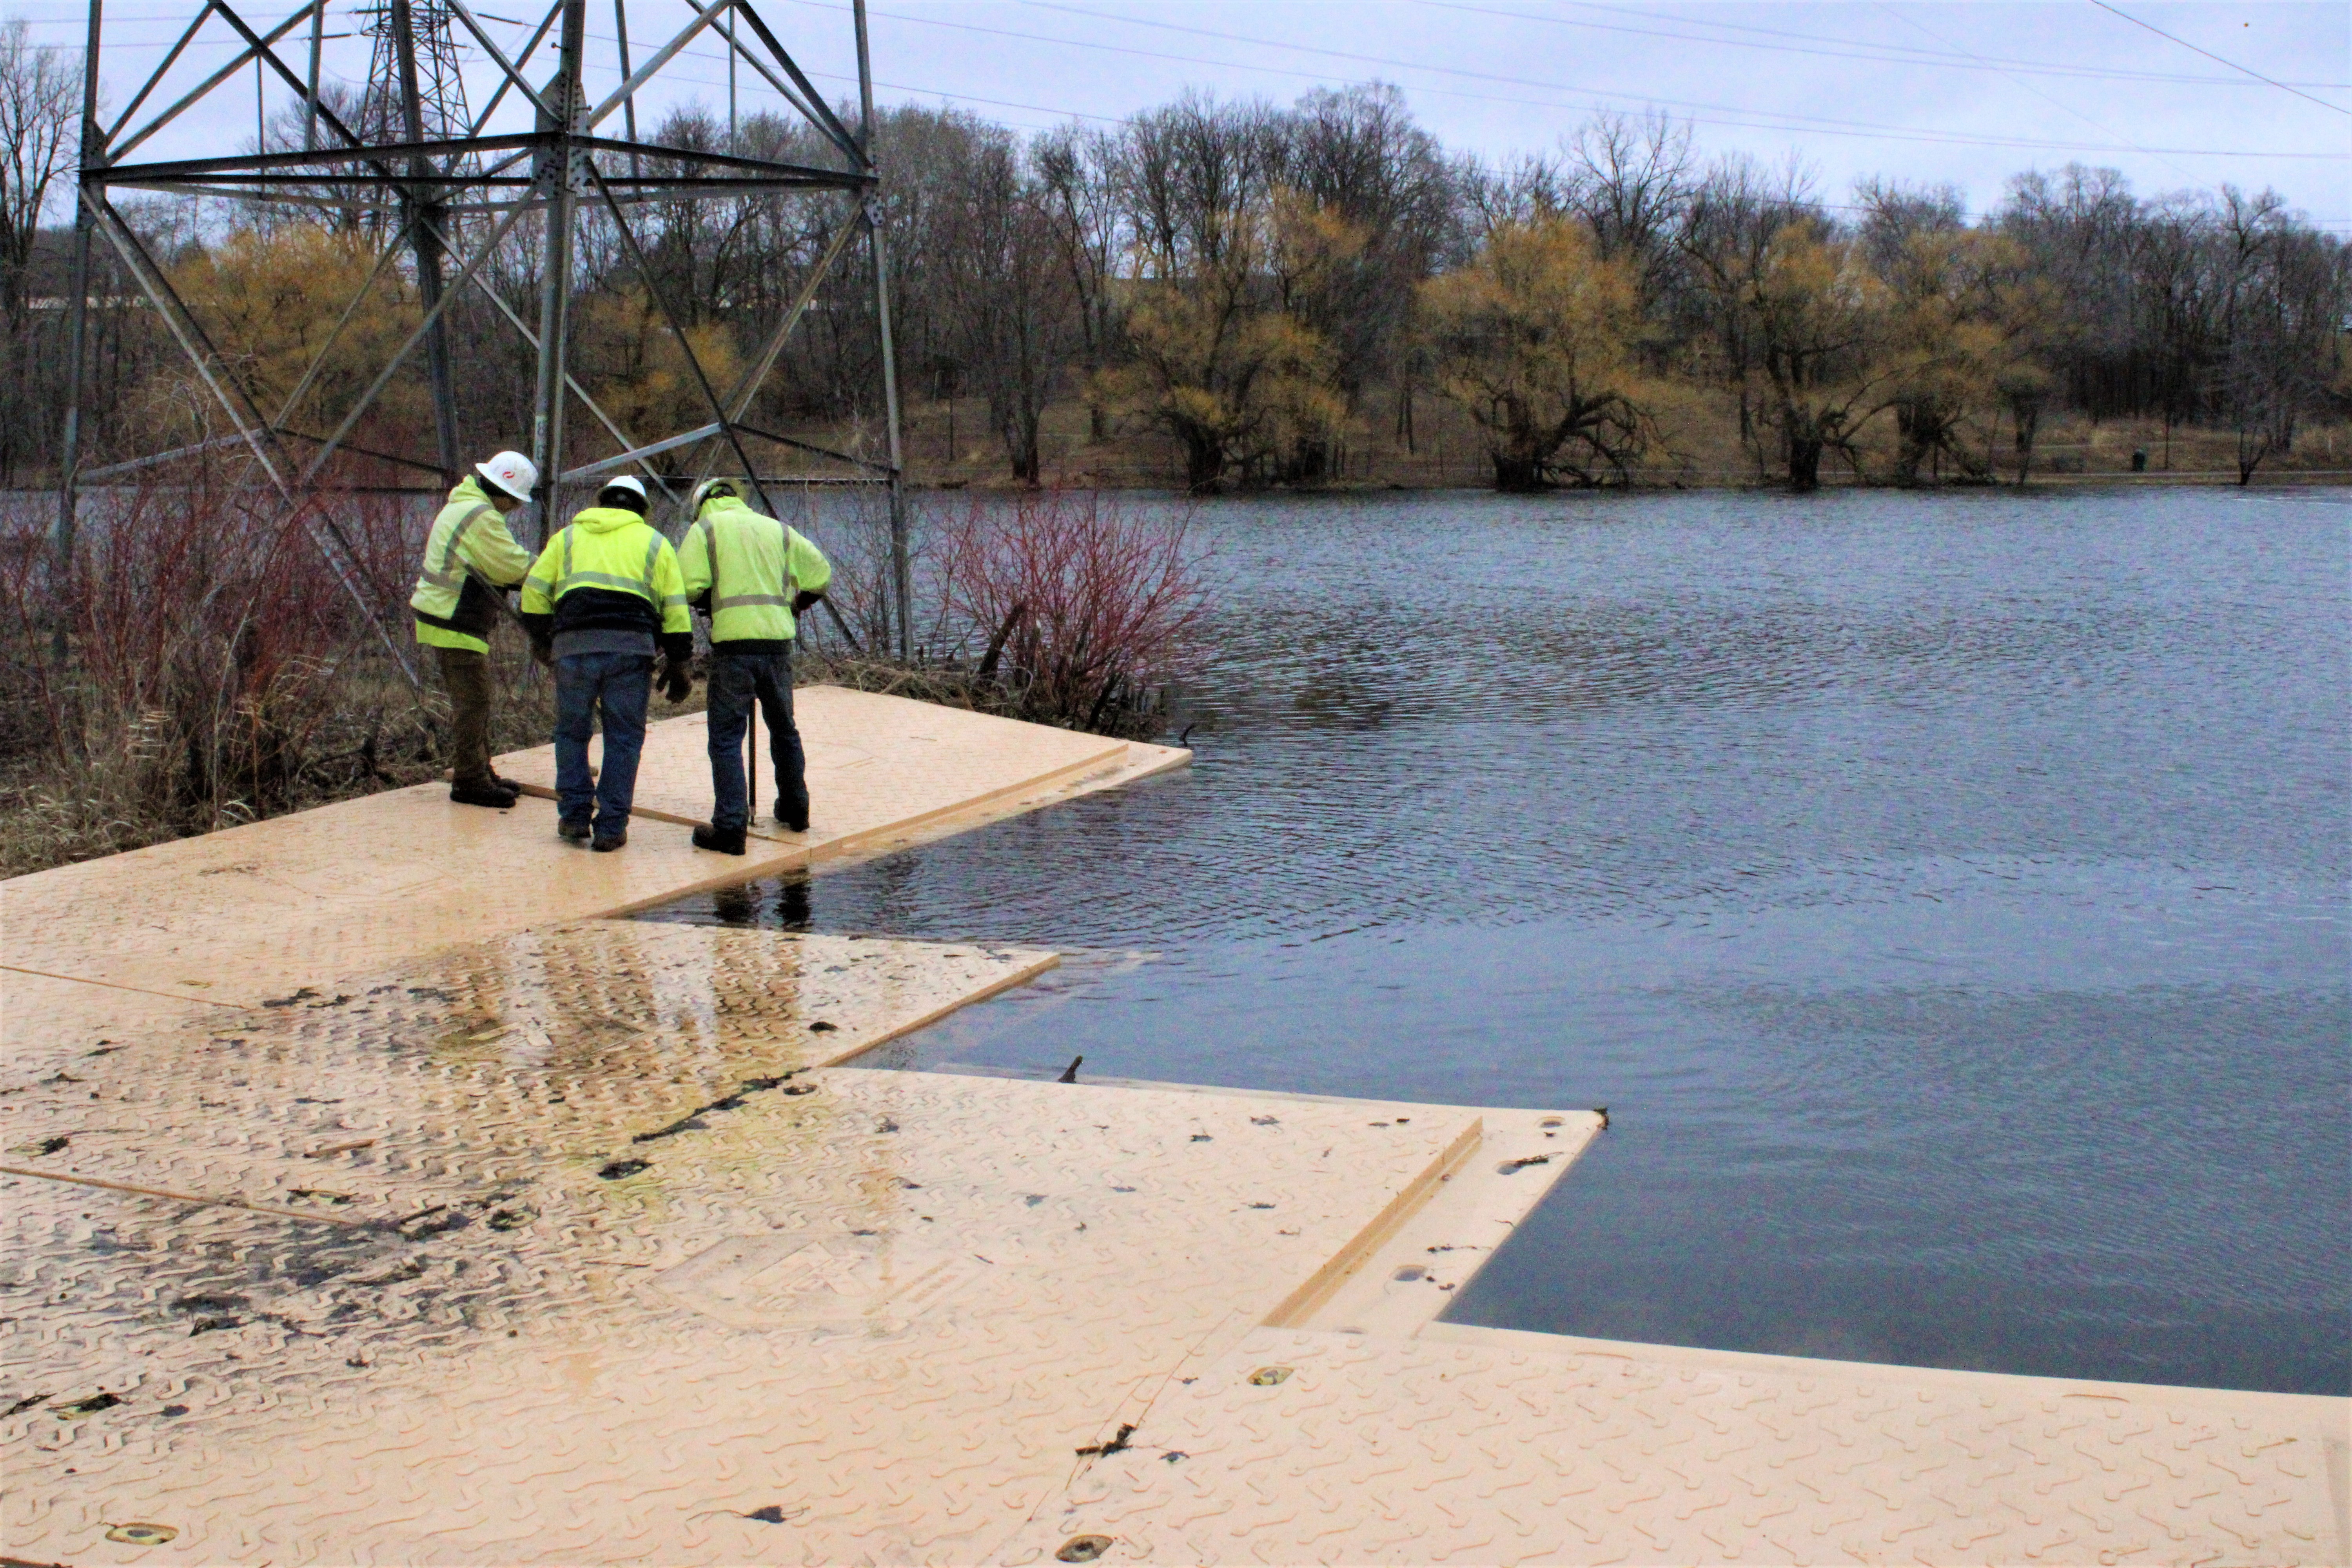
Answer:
[(1904, 873)]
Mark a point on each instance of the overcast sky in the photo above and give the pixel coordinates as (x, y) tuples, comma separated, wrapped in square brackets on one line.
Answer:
[(1939, 92)]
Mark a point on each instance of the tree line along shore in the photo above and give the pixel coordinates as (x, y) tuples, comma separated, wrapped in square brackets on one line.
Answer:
[(1221, 294)]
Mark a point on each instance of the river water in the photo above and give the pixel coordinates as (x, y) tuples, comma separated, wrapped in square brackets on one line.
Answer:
[(1947, 895)]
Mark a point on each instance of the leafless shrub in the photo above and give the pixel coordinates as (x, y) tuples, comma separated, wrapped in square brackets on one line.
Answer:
[(213, 671)]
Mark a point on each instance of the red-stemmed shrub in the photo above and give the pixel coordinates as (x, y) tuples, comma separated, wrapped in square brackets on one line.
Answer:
[(1081, 603)]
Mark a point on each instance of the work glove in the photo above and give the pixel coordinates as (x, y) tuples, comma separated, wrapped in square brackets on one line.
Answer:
[(804, 601), (676, 680), (542, 654)]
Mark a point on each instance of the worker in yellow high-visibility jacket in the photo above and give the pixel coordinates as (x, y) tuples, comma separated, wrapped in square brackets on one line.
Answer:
[(752, 575), (469, 560), (602, 596)]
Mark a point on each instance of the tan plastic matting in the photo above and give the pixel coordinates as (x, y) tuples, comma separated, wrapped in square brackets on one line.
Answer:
[(559, 1249), (869, 758), (252, 912)]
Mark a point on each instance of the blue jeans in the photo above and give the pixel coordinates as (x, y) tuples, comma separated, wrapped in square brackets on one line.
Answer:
[(620, 684), (737, 679)]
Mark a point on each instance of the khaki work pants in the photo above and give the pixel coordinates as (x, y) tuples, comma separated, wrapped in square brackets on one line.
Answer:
[(466, 676)]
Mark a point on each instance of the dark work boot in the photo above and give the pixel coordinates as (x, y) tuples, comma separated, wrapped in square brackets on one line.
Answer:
[(794, 816), (481, 792), (724, 840), (604, 844), (573, 829)]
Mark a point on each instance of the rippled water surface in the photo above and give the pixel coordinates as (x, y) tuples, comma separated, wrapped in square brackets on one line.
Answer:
[(1947, 895)]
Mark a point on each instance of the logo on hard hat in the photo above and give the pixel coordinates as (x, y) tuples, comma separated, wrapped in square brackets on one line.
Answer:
[(511, 473)]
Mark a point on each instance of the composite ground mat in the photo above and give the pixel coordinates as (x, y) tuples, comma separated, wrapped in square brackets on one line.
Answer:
[(563, 1249), (254, 912)]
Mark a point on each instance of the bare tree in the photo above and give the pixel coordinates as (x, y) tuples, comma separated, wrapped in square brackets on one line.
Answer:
[(1630, 180), (1013, 297), (40, 92), (1079, 180)]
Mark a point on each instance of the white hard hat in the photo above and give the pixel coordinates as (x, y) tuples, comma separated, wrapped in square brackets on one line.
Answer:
[(512, 473), (629, 482), (708, 488)]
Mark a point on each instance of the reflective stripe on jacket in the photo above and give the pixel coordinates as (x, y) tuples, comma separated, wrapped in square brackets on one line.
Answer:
[(454, 606), (751, 566), (607, 570)]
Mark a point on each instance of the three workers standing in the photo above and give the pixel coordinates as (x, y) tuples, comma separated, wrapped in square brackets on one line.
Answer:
[(606, 596)]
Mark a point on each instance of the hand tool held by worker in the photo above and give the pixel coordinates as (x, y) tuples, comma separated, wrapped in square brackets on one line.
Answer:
[(752, 575)]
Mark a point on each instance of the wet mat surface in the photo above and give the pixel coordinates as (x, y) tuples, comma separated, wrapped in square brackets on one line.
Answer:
[(886, 1313)]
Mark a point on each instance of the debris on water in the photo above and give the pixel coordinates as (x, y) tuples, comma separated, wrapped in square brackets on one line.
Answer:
[(774, 1513), (1602, 1112), (886, 1126), (1202, 1138), (513, 1219), (175, 1410), (47, 1145), (1082, 1549), (334, 1149), (209, 1303), (1266, 1121), (320, 1194), (21, 1406), (1070, 1073), (822, 1027), (1030, 1200), (1261, 1205), (616, 1169), (1172, 1455), (208, 1325), (1522, 1163), (305, 995)]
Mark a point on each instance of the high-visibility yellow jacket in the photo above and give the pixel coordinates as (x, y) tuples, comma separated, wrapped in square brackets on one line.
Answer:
[(457, 607), (607, 583), (749, 568)]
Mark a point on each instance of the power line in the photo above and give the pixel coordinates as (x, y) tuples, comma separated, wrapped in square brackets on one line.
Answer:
[(1895, 53), (2029, 86), (1811, 124), (2210, 55), (1819, 38)]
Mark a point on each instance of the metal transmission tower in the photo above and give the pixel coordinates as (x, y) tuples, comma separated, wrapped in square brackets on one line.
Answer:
[(442, 185), (440, 85)]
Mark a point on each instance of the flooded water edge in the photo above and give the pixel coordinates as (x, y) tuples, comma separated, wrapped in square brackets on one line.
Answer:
[(1945, 894)]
